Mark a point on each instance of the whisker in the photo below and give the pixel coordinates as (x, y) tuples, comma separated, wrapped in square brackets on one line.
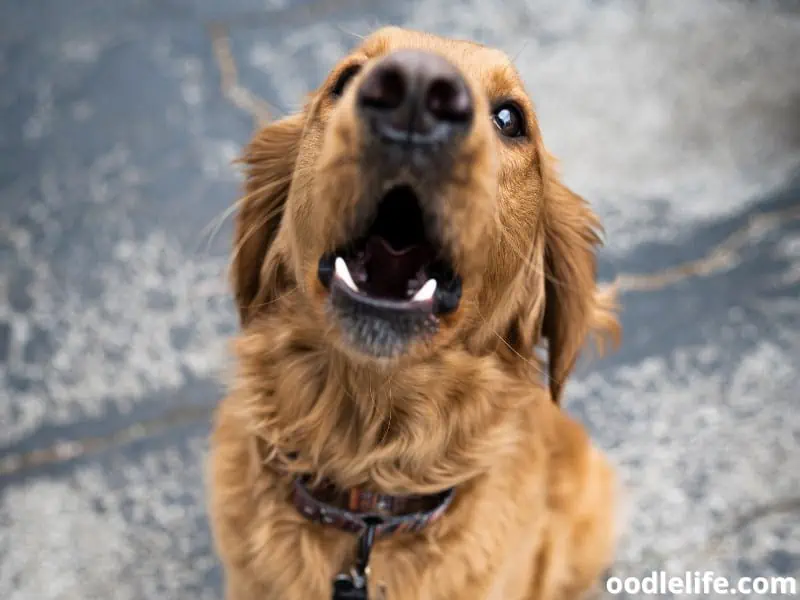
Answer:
[(537, 367), (377, 24), (246, 237), (528, 258), (350, 33), (216, 222), (274, 300), (519, 52), (215, 225)]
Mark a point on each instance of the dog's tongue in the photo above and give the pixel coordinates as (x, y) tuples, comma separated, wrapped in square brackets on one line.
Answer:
[(390, 270)]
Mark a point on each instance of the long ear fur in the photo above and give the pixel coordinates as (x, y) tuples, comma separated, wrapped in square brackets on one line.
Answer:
[(269, 161), (574, 306)]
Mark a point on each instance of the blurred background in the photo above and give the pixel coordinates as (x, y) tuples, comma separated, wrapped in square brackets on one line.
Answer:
[(679, 121)]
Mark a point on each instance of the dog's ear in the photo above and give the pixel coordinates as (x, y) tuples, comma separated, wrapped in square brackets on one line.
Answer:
[(269, 162), (574, 306)]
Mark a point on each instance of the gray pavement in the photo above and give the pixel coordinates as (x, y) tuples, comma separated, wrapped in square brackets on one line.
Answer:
[(679, 120)]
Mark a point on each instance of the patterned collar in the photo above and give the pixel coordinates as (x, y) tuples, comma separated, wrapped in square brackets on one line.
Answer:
[(356, 510), (370, 515)]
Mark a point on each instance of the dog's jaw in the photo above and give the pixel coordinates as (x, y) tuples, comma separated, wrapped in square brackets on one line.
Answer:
[(388, 288)]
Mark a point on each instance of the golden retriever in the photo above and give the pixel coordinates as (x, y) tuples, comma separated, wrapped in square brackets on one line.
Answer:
[(403, 247)]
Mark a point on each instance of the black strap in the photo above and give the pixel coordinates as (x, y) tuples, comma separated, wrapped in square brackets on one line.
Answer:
[(365, 542), (353, 586)]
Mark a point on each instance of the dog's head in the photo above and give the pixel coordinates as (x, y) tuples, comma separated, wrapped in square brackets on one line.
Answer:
[(411, 207)]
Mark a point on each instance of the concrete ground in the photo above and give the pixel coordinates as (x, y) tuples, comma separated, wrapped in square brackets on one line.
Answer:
[(679, 120)]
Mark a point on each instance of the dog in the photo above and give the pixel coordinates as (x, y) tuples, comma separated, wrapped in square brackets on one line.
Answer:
[(402, 248)]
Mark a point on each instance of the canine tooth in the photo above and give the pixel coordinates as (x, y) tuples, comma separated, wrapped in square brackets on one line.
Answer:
[(344, 274), (426, 291)]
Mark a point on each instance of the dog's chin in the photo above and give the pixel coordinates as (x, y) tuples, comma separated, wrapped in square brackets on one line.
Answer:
[(390, 285), (380, 329)]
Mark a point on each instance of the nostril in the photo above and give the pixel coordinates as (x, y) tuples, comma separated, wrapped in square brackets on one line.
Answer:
[(384, 89), (448, 100)]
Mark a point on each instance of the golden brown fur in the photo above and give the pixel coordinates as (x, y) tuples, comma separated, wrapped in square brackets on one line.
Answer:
[(533, 515)]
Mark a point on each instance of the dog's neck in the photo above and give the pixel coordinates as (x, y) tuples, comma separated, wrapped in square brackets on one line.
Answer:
[(401, 430)]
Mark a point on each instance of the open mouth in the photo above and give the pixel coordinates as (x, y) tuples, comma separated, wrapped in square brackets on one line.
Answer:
[(396, 267)]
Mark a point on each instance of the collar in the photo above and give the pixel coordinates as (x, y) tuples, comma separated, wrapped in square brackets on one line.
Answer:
[(368, 514), (357, 510)]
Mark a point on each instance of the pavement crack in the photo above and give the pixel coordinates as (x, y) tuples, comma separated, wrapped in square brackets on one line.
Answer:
[(238, 95), (723, 256), (714, 546), (66, 450)]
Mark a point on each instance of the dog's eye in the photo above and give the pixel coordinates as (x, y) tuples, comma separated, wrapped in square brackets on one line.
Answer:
[(344, 78), (509, 120)]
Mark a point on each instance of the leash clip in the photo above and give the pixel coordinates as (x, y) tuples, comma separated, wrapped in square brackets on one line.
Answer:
[(353, 585)]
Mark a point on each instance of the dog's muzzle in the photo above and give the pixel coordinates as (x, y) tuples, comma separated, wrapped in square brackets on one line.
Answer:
[(393, 280)]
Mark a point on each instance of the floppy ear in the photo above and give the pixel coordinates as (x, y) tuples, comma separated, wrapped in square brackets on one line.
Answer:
[(269, 161), (574, 307)]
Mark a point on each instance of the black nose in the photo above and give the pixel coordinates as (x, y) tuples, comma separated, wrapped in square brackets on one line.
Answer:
[(415, 97)]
